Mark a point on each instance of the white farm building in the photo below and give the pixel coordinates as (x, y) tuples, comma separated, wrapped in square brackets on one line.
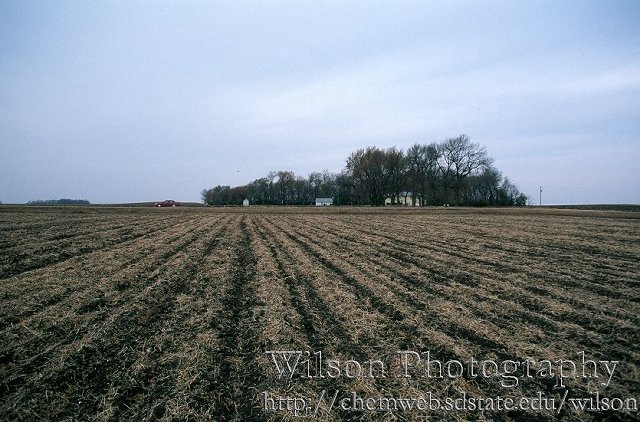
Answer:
[(321, 202)]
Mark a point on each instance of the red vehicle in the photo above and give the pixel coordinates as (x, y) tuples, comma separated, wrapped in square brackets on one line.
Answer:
[(168, 203)]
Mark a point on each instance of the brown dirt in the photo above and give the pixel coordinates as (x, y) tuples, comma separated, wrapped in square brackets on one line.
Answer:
[(163, 314)]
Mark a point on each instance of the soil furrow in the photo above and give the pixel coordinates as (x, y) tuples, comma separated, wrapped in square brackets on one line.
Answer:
[(238, 382), (170, 314), (84, 363), (47, 258), (76, 328), (85, 278), (535, 305), (303, 297), (415, 253)]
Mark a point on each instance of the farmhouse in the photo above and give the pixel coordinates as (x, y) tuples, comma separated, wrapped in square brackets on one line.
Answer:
[(405, 199), (321, 202)]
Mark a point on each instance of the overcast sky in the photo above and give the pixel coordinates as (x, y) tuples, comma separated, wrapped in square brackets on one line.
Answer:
[(127, 101)]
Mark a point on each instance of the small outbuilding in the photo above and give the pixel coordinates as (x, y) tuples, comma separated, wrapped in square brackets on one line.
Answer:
[(322, 202), (245, 203)]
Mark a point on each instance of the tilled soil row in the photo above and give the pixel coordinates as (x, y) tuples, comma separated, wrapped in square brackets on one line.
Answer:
[(541, 306), (72, 227), (321, 327), (102, 343), (539, 299), (167, 376), (39, 255), (479, 320), (325, 322), (348, 241), (174, 323), (457, 240), (544, 245), (411, 328), (238, 377), (115, 267)]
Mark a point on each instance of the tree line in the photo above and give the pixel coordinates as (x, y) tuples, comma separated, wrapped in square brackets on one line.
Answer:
[(63, 201), (455, 171)]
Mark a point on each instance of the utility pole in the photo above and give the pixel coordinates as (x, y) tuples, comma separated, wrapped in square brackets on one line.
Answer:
[(540, 195)]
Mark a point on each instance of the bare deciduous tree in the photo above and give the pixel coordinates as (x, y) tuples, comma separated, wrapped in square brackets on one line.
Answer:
[(454, 171), (396, 174), (422, 171), (459, 157), (367, 167)]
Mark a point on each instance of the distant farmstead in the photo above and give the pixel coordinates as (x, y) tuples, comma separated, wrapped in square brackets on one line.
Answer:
[(407, 199), (321, 202)]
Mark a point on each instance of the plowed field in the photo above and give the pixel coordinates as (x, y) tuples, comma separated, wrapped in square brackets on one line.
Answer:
[(191, 314)]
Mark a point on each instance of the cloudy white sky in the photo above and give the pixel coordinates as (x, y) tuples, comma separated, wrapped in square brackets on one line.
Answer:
[(125, 101)]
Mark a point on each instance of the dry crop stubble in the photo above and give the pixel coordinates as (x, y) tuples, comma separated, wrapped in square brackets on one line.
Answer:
[(112, 267), (41, 253), (404, 326), (147, 314), (324, 310), (513, 282), (104, 335), (555, 274), (410, 317)]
